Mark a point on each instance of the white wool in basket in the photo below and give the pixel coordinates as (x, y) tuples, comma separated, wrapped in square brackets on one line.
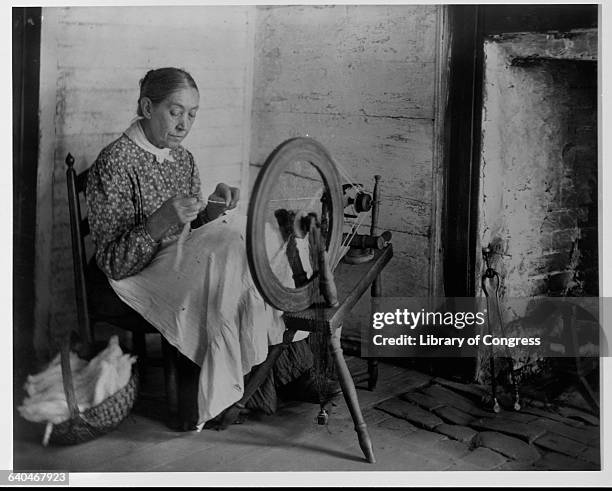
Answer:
[(93, 382)]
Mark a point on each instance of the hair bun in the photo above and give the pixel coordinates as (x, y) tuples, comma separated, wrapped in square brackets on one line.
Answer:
[(157, 84), (146, 78)]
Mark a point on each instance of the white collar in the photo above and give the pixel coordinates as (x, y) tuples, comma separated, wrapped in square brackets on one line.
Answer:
[(137, 135)]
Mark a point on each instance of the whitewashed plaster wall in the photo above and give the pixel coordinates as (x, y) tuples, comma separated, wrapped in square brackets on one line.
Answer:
[(365, 82), (92, 59)]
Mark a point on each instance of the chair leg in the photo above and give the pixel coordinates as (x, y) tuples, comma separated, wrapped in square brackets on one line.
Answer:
[(188, 382), (376, 291), (170, 379), (139, 347), (139, 344)]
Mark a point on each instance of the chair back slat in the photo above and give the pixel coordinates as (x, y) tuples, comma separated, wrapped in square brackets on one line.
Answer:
[(79, 260)]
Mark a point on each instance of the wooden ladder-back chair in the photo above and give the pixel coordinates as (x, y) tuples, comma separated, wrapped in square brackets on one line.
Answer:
[(86, 274)]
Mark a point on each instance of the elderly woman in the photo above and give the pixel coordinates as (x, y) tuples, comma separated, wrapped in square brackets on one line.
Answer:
[(194, 286)]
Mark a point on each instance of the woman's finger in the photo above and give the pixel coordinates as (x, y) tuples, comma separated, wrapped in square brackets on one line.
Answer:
[(187, 217), (224, 192), (187, 202), (235, 197), (227, 195), (192, 206)]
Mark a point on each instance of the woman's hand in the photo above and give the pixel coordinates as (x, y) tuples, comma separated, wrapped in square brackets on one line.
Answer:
[(174, 211), (223, 198)]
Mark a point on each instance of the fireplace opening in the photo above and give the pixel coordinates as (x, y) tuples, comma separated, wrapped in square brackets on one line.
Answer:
[(538, 182)]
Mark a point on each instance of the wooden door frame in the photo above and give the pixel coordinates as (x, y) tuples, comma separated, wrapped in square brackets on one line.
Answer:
[(26, 23), (463, 115)]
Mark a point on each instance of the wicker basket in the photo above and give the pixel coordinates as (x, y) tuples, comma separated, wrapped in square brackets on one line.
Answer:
[(95, 421)]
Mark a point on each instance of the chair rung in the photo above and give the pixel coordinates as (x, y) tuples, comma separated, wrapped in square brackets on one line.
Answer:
[(361, 377)]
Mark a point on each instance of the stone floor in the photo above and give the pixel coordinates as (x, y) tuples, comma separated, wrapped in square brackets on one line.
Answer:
[(447, 417)]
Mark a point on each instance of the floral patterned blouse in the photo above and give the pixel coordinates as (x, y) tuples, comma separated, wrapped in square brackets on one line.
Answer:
[(126, 184)]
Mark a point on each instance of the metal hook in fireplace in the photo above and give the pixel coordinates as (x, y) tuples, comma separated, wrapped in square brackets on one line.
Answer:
[(492, 293)]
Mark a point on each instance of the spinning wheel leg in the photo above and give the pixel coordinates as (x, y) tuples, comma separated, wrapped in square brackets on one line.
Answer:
[(376, 291), (372, 373), (350, 396)]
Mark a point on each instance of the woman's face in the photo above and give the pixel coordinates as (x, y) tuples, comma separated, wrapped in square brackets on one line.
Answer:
[(167, 123)]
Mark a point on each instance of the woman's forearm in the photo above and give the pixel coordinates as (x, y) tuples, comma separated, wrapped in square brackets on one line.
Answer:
[(128, 254)]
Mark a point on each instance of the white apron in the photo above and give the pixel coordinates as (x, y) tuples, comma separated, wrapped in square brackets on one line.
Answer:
[(209, 308)]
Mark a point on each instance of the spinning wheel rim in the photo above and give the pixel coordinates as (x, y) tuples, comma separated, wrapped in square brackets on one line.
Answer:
[(299, 149)]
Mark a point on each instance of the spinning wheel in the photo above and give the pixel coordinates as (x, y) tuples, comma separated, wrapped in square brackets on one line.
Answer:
[(299, 179), (297, 196)]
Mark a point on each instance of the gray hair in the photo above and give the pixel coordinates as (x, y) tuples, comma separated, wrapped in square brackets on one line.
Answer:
[(160, 83)]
